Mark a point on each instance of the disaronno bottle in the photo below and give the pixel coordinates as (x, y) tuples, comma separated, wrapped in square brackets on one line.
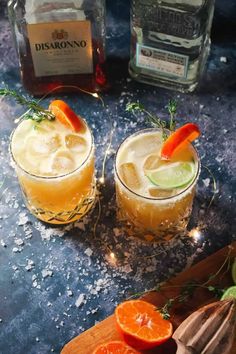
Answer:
[(170, 41), (60, 43)]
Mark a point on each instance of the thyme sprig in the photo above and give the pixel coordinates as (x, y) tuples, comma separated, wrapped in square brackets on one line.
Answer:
[(35, 111), (187, 290), (153, 119), (172, 108)]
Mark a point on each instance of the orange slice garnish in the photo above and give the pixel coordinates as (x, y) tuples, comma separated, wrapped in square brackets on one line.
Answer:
[(115, 347), (181, 136), (66, 115), (141, 325)]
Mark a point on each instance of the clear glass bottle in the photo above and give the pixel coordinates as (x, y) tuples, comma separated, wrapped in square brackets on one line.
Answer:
[(170, 41), (60, 43)]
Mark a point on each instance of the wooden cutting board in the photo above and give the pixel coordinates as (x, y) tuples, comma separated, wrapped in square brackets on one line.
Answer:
[(105, 331)]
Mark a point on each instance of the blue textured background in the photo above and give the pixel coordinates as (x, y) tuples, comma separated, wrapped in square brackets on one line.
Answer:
[(44, 270)]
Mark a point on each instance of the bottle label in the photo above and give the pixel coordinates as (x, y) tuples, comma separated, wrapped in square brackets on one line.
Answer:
[(171, 22), (61, 48), (161, 61)]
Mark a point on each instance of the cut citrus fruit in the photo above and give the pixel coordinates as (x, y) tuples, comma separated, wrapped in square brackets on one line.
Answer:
[(172, 175), (230, 292), (183, 135), (115, 347), (141, 325), (66, 115), (233, 271)]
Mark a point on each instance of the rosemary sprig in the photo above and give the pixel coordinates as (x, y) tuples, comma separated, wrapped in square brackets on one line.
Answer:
[(156, 121), (35, 111)]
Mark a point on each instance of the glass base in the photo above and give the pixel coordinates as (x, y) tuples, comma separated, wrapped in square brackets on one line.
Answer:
[(162, 82), (63, 217), (162, 233)]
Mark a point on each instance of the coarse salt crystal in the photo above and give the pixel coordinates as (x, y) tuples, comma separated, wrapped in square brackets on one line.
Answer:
[(80, 301), (47, 273), (19, 242), (88, 252)]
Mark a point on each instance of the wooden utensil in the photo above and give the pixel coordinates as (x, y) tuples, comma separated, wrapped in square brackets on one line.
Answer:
[(105, 331)]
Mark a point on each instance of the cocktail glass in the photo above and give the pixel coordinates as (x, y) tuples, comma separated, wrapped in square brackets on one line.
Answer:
[(61, 198), (149, 211)]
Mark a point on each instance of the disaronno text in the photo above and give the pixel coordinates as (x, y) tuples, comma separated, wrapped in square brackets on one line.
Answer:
[(60, 45)]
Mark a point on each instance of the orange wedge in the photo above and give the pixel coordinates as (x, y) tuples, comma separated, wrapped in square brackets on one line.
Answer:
[(181, 136), (141, 325), (115, 347), (66, 115)]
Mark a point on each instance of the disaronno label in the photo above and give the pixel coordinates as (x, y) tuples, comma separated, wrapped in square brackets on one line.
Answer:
[(61, 48)]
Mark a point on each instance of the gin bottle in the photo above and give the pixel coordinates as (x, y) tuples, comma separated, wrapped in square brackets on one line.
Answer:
[(170, 42), (60, 43)]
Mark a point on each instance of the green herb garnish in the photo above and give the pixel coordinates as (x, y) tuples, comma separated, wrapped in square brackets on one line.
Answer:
[(172, 108), (187, 290), (156, 121), (35, 112)]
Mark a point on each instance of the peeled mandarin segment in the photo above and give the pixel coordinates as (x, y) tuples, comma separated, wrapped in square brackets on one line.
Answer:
[(183, 135), (115, 347), (66, 115), (141, 325)]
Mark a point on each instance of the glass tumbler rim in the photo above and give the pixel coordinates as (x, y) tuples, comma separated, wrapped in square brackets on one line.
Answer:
[(153, 199), (51, 178)]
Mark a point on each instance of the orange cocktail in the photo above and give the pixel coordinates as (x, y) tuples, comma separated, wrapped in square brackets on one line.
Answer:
[(155, 196), (55, 168)]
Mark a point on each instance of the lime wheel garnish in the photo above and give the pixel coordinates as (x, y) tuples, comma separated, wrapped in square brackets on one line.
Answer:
[(172, 175), (229, 293)]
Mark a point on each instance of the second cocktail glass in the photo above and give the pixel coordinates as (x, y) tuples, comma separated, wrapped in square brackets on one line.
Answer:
[(150, 211)]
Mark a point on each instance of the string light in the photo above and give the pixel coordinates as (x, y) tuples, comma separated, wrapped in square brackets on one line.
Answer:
[(112, 255), (195, 233)]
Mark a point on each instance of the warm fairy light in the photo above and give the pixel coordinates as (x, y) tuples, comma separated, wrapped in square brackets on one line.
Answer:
[(195, 233), (101, 180), (112, 255), (95, 95)]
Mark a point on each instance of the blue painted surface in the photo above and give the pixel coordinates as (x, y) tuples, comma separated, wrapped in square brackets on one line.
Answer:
[(41, 279)]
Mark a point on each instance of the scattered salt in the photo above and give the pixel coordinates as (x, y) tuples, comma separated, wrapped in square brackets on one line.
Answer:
[(16, 250), (80, 301), (30, 265), (3, 244), (23, 219), (206, 182), (88, 252), (47, 273), (19, 242), (223, 59)]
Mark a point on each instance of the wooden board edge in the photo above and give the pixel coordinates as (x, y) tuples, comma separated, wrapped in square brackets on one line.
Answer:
[(186, 275)]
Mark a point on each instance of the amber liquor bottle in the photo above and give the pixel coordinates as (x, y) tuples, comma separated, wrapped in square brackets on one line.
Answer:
[(60, 44)]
